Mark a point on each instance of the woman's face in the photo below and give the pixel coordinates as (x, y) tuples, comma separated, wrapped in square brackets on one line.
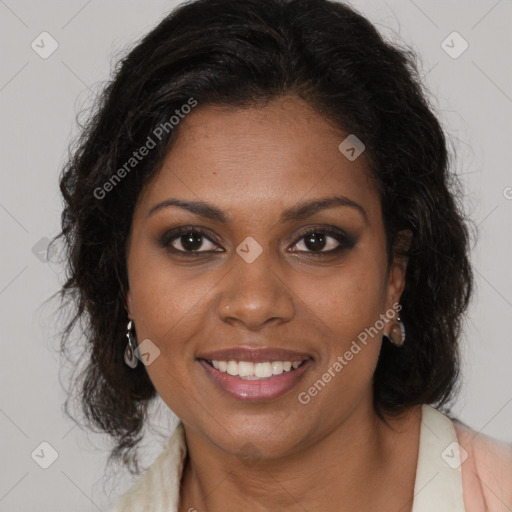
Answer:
[(251, 279)]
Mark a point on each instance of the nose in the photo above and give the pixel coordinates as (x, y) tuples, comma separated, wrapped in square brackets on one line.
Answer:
[(254, 295)]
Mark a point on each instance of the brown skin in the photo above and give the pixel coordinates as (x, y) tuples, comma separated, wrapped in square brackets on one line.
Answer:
[(254, 163)]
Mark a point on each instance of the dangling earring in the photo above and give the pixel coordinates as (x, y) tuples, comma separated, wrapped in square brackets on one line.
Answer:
[(131, 347), (397, 334)]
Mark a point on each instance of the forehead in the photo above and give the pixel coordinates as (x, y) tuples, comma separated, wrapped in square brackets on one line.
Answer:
[(260, 157)]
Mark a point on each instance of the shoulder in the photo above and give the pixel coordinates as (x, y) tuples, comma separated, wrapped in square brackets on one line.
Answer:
[(157, 489), (486, 470)]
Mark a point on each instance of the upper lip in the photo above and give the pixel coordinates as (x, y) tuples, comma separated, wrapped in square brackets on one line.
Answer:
[(255, 355)]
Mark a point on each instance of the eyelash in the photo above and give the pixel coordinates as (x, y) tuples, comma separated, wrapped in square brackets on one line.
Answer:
[(346, 241)]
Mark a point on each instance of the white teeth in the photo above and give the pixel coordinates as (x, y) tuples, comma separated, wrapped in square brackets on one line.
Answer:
[(263, 369), (245, 369), (251, 371), (277, 367), (232, 368)]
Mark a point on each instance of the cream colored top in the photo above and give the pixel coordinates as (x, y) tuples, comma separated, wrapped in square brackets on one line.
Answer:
[(481, 483)]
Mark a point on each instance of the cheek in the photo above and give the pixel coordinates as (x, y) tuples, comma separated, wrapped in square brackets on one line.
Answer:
[(347, 308), (350, 299), (169, 311), (167, 299), (172, 310), (349, 311)]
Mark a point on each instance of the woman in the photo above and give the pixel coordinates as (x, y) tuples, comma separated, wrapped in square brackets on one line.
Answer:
[(261, 231)]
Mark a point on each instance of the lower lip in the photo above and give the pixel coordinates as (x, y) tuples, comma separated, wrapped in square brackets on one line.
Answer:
[(256, 390)]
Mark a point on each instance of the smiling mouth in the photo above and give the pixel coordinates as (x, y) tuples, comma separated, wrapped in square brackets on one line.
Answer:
[(247, 370)]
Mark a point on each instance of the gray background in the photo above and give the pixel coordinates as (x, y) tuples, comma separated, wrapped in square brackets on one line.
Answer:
[(39, 101)]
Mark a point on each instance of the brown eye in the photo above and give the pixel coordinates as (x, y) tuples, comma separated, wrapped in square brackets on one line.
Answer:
[(189, 241), (323, 241)]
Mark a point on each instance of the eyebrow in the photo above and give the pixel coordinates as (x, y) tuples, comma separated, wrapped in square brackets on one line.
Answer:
[(297, 212)]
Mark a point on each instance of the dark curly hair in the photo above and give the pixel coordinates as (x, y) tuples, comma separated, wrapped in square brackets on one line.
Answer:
[(244, 53)]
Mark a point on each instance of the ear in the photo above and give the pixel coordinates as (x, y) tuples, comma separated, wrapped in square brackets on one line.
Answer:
[(398, 268)]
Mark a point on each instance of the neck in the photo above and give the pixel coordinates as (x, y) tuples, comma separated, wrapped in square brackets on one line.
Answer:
[(359, 464)]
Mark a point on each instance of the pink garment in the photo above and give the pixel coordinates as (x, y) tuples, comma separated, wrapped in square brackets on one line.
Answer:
[(486, 473)]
